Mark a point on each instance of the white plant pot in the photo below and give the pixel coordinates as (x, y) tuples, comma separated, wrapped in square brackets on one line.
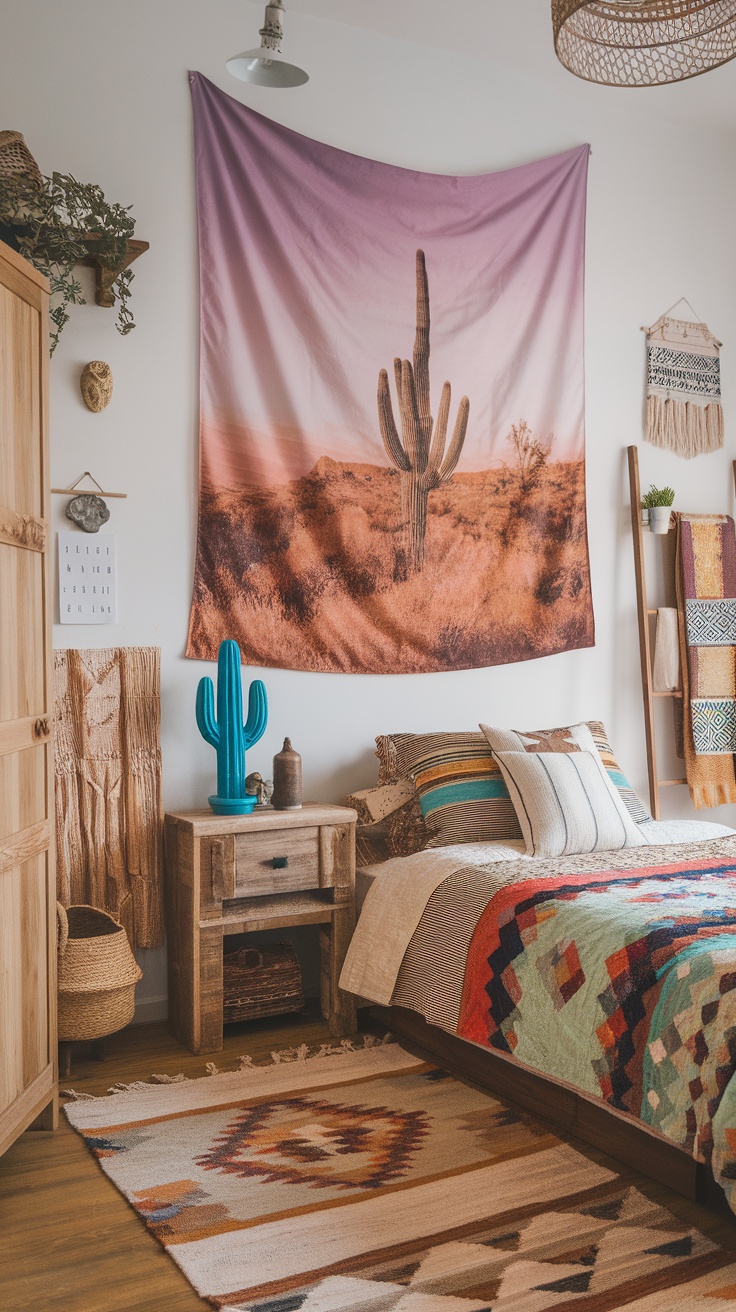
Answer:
[(659, 518)]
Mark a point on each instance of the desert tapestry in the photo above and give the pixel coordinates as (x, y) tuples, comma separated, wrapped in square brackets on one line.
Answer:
[(392, 445)]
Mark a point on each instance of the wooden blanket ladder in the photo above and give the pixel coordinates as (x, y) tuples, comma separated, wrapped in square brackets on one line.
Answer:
[(645, 616)]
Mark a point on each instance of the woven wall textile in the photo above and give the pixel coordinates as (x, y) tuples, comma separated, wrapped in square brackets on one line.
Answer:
[(392, 433), (684, 412), (643, 43), (108, 785)]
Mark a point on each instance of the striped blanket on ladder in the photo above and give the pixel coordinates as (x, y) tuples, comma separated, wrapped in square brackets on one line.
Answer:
[(706, 600)]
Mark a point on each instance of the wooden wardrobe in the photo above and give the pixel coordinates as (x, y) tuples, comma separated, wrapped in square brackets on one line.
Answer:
[(28, 1092)]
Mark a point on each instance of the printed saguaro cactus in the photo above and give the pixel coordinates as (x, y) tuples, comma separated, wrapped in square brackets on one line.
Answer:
[(421, 458), (227, 734)]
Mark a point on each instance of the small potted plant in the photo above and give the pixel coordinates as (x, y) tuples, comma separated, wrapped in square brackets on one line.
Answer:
[(658, 502)]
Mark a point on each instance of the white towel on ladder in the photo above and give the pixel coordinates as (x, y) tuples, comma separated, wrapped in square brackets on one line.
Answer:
[(666, 676)]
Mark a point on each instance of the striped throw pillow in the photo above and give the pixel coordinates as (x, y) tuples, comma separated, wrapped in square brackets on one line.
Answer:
[(477, 808), (461, 789), (564, 740), (566, 803), (633, 804)]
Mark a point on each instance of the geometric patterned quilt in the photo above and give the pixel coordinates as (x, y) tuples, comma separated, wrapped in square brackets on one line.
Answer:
[(620, 981)]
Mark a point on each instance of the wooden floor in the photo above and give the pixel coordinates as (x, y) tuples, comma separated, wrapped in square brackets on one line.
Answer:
[(68, 1239)]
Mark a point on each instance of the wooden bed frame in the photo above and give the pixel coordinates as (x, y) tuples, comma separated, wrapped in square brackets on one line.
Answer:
[(559, 1104)]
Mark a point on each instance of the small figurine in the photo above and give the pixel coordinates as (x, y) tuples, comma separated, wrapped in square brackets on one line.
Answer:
[(256, 785), (96, 385)]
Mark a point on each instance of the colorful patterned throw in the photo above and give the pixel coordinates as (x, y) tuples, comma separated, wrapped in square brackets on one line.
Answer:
[(684, 412), (373, 1182), (392, 438), (615, 972), (706, 597)]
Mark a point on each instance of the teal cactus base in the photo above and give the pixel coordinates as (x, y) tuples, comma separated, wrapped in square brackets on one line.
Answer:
[(227, 734), (232, 806)]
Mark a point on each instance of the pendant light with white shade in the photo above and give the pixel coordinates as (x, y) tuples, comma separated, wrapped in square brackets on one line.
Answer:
[(265, 66)]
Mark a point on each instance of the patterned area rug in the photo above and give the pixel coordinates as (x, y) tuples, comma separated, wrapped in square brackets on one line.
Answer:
[(369, 1181)]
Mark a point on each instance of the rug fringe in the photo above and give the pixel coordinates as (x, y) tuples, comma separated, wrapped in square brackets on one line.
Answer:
[(245, 1063), (302, 1053)]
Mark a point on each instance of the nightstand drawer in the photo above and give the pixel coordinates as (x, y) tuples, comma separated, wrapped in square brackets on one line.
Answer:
[(282, 861)]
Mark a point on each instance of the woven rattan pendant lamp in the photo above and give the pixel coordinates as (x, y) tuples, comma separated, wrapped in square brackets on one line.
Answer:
[(643, 43)]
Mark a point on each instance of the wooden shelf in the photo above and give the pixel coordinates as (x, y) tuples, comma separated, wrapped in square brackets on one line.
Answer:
[(275, 911), (104, 275)]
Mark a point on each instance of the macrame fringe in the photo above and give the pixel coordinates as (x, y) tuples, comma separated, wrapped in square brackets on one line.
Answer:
[(245, 1063), (684, 427)]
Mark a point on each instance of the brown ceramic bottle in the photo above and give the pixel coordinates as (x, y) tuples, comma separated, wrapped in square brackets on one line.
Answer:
[(287, 779)]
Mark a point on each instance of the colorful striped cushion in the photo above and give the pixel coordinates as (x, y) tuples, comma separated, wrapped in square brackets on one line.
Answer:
[(461, 790), (566, 802), (635, 807)]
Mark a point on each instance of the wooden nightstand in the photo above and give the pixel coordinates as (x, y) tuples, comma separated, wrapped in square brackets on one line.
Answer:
[(268, 870)]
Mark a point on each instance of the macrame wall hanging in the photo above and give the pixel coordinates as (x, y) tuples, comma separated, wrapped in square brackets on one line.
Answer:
[(684, 412), (108, 785)]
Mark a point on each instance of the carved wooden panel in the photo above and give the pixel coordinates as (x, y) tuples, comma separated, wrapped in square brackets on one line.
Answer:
[(22, 530)]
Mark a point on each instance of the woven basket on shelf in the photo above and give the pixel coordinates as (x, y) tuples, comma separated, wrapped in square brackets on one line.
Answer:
[(15, 157), (97, 974), (261, 982)]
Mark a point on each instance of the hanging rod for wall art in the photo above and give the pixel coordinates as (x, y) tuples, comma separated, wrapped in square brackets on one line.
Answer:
[(67, 491)]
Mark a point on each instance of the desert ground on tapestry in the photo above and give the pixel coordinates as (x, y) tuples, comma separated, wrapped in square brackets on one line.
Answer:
[(313, 574)]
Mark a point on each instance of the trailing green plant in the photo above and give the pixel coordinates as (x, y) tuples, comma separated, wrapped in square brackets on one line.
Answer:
[(657, 496), (56, 225)]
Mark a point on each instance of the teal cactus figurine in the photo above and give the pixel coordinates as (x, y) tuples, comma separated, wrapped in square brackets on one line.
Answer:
[(227, 734)]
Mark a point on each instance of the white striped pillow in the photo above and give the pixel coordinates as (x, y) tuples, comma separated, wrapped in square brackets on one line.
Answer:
[(566, 803)]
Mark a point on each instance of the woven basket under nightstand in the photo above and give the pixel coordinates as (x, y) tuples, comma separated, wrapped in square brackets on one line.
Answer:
[(97, 974), (265, 981)]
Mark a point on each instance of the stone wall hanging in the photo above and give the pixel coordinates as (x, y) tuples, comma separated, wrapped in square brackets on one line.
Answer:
[(87, 509)]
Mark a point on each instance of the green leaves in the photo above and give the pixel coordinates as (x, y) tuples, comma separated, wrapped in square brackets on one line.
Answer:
[(56, 226), (662, 496)]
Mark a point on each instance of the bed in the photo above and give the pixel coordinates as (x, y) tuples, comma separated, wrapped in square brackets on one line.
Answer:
[(598, 991)]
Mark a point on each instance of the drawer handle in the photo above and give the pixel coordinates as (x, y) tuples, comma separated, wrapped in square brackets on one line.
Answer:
[(280, 862)]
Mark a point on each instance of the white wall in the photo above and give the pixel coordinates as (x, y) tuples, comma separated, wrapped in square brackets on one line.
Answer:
[(100, 90)]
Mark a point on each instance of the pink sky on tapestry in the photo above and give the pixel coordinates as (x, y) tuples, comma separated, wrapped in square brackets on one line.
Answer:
[(392, 437)]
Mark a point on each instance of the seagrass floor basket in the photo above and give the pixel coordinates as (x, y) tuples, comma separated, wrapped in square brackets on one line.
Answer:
[(97, 974), (264, 981)]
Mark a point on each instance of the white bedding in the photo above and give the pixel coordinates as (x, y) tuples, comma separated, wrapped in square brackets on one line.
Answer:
[(392, 897)]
